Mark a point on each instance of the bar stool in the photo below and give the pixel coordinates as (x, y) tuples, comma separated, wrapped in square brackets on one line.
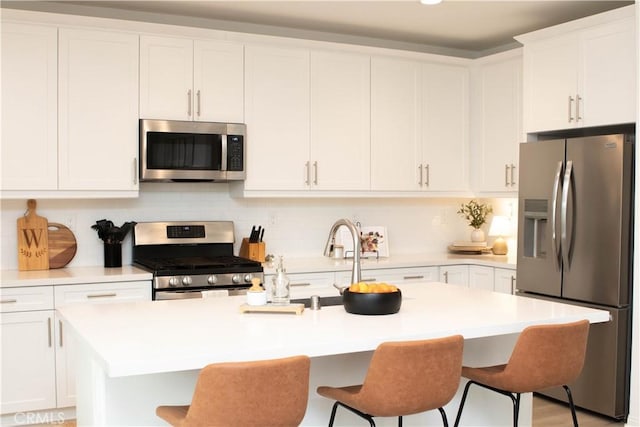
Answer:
[(403, 378), (257, 393), (544, 356)]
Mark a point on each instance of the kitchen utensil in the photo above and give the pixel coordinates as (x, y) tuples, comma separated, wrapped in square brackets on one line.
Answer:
[(33, 240), (62, 245), (372, 303), (270, 308)]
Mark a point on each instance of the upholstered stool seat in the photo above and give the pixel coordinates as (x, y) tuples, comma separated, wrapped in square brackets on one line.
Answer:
[(544, 356), (403, 378), (238, 394)]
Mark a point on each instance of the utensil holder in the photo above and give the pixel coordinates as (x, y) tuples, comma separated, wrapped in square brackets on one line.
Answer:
[(253, 251), (113, 254)]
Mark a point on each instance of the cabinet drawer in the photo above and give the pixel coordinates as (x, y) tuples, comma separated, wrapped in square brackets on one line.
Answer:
[(26, 299), (103, 293)]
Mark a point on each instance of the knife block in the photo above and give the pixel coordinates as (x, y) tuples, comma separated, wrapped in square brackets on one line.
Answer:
[(254, 251)]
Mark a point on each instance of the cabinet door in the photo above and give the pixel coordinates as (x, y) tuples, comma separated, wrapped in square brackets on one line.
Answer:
[(340, 125), (218, 81), (303, 285), (445, 121), (550, 83), (505, 281), (455, 274), (29, 107), (93, 294), (98, 110), (166, 78), (277, 116), (500, 110), (481, 277), (28, 365), (395, 119), (608, 74)]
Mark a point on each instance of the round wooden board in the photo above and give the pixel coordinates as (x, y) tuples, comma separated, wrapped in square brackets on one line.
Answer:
[(62, 245)]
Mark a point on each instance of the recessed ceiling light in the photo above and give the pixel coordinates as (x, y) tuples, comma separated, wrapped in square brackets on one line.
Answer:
[(430, 1)]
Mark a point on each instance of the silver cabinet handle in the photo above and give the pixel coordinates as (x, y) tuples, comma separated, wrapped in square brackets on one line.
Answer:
[(49, 330), (554, 213), (60, 325), (198, 102), (446, 277), (135, 171), (570, 111), (506, 175), (413, 277), (369, 279), (426, 170), (109, 295), (300, 284), (420, 169), (315, 173), (8, 301), (578, 117), (513, 179), (189, 103), (307, 171), (566, 187), (513, 284)]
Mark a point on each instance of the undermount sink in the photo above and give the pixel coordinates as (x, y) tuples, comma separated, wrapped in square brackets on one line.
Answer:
[(324, 301)]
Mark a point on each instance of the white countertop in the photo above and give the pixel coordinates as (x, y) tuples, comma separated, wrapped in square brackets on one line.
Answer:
[(149, 337), (325, 264), (71, 276)]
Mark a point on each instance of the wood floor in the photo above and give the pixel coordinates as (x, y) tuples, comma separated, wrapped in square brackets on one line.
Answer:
[(550, 413)]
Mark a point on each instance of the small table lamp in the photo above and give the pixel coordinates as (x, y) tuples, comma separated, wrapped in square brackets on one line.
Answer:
[(500, 227)]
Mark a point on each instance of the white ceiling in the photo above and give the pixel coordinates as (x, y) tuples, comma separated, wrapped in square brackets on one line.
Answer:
[(466, 28)]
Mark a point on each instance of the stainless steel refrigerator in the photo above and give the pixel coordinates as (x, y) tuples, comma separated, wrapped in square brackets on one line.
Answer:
[(575, 246)]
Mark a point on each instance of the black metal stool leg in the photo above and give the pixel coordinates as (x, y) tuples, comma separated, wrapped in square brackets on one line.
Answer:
[(333, 414), (400, 421), (464, 397), (516, 408), (571, 405), (445, 423)]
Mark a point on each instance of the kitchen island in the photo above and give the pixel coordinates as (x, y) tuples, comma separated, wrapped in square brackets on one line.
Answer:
[(134, 356)]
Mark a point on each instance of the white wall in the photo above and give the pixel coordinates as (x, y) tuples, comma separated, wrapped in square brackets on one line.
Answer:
[(294, 227)]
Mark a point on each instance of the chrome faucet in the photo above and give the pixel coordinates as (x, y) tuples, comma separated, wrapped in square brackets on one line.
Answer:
[(355, 235)]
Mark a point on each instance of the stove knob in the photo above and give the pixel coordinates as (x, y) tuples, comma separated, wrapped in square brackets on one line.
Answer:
[(236, 278), (173, 282), (186, 281), (248, 277), (212, 280)]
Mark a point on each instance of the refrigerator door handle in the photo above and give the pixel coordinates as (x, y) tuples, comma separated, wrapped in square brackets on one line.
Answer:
[(566, 187), (554, 215)]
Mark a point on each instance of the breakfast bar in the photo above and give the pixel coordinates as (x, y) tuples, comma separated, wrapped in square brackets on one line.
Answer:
[(134, 356)]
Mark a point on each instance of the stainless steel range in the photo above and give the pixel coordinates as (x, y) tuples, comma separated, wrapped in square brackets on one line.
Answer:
[(189, 258)]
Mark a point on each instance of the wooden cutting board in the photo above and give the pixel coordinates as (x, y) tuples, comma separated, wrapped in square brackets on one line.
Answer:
[(62, 245), (33, 240)]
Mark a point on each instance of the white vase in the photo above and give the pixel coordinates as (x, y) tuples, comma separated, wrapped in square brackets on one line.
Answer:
[(477, 235)]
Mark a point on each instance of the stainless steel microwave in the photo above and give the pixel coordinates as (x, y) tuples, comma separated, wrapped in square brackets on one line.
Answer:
[(172, 150)]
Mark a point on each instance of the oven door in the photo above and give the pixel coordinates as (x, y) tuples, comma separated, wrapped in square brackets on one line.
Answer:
[(163, 295)]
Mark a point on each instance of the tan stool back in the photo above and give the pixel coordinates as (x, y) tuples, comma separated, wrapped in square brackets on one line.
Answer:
[(405, 378), (259, 393)]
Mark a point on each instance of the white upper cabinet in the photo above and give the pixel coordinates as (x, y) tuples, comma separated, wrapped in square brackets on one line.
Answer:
[(277, 118), (395, 124), (98, 110), (340, 121), (583, 76), (184, 79), (29, 107), (497, 105), (419, 126), (445, 127)]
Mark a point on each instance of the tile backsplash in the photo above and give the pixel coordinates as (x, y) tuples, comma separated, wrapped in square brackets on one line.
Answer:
[(295, 227)]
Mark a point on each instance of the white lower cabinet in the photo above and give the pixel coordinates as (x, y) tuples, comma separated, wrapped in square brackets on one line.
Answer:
[(37, 354), (455, 274), (504, 281), (28, 354), (481, 277)]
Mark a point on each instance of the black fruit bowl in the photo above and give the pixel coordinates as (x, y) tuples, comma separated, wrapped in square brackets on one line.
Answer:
[(372, 303)]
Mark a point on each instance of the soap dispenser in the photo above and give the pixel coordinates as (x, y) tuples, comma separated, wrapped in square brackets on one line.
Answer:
[(280, 286)]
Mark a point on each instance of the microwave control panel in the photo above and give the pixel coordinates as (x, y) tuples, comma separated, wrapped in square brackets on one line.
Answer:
[(235, 152)]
